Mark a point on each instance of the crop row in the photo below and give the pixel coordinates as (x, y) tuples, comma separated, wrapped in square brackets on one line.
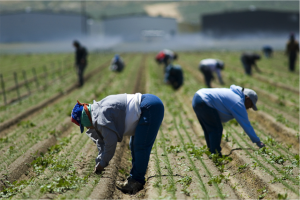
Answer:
[(59, 86), (68, 165), (272, 170)]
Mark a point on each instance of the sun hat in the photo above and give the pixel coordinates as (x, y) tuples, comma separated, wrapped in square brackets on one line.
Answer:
[(76, 116), (252, 95)]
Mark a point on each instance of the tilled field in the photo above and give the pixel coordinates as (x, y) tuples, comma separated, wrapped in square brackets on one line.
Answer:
[(45, 157)]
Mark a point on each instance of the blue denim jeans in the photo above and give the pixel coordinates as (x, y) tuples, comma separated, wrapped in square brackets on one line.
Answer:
[(146, 131), (211, 123)]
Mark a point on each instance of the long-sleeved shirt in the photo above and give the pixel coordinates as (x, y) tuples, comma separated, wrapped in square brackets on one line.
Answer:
[(230, 104), (292, 47), (113, 117), (81, 53), (211, 64)]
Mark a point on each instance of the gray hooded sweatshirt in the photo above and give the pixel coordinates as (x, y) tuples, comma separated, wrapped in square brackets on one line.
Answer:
[(108, 118)]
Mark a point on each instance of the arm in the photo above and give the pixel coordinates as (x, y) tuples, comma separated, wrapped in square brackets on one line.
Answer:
[(107, 146), (218, 71), (255, 66), (167, 75), (240, 114)]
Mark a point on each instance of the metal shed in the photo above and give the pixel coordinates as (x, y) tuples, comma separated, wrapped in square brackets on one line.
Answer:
[(247, 21), (139, 27), (40, 26)]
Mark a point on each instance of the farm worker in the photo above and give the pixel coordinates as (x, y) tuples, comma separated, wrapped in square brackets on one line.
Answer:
[(80, 60), (292, 49), (117, 64), (208, 66), (214, 106), (267, 50), (166, 57), (136, 115), (174, 76), (249, 60)]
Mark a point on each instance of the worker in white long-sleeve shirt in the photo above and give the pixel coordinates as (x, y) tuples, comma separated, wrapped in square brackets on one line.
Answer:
[(208, 66)]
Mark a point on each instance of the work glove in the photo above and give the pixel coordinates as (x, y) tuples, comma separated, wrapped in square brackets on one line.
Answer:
[(260, 144), (98, 169)]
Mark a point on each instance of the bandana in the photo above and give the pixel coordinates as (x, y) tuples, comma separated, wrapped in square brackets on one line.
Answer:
[(76, 116)]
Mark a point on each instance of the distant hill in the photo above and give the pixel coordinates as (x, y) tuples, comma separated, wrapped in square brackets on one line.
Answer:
[(186, 12)]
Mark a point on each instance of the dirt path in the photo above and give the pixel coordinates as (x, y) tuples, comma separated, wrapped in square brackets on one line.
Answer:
[(165, 10)]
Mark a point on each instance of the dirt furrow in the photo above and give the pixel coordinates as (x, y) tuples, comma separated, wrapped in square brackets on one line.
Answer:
[(106, 188)]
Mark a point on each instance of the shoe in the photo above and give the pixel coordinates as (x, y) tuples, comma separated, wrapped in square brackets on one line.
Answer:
[(132, 186)]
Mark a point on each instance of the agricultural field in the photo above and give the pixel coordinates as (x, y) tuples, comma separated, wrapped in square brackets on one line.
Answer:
[(44, 156)]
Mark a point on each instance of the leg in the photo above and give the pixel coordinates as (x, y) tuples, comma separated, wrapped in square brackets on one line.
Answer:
[(80, 75), (207, 75), (150, 120), (292, 61), (210, 122)]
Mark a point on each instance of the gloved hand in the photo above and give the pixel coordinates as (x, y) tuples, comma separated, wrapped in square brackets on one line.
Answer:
[(98, 169), (260, 144)]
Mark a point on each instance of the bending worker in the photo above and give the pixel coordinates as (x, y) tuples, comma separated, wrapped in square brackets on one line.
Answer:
[(174, 76), (80, 60), (117, 64), (249, 60), (166, 57), (219, 105), (208, 66), (115, 116)]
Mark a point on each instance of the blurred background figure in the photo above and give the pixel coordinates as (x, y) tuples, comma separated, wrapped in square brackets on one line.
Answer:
[(174, 76), (117, 64), (166, 57), (80, 60), (208, 66), (249, 60), (292, 49), (267, 50)]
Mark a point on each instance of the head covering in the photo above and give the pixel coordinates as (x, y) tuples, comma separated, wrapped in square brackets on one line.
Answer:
[(85, 121), (252, 95), (117, 57), (76, 116)]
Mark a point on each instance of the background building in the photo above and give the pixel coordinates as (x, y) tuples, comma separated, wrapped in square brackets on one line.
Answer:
[(140, 27), (41, 26), (250, 21)]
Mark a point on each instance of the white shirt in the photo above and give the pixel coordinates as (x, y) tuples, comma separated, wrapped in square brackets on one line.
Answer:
[(133, 113), (212, 64)]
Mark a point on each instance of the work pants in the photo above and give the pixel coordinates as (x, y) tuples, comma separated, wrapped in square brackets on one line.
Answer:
[(292, 61), (152, 113), (210, 122), (208, 76), (80, 70)]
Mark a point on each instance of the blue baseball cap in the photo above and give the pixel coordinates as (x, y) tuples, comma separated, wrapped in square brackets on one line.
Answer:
[(76, 115)]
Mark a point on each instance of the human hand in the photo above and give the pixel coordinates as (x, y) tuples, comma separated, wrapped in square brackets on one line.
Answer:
[(260, 144), (98, 169)]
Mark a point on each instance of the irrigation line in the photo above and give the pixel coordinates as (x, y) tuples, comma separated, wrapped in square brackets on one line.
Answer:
[(193, 165), (267, 170), (170, 171)]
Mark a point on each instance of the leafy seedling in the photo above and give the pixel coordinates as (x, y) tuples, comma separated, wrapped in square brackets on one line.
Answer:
[(242, 167), (282, 196)]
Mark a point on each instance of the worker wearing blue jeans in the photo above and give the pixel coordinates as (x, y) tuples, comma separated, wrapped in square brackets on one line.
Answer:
[(112, 118), (219, 105)]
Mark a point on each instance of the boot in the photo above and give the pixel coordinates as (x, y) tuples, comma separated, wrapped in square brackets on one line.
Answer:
[(131, 186)]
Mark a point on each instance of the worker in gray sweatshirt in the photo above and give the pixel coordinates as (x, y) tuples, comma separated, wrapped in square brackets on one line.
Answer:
[(219, 105), (116, 116)]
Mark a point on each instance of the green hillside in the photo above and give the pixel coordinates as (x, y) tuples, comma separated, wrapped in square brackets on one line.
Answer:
[(190, 11)]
